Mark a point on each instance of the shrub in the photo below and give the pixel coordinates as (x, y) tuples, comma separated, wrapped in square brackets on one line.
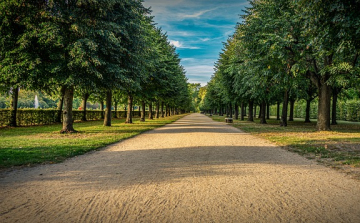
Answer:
[(26, 117)]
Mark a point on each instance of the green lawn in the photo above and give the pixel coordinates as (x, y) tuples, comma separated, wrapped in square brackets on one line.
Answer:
[(341, 146), (44, 144)]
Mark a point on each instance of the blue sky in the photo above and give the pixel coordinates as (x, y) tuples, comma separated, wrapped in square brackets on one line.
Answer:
[(198, 29)]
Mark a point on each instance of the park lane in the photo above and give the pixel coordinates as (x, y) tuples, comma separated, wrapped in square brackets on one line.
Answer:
[(194, 170)]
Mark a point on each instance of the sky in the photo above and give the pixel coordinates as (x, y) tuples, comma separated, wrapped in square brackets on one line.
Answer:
[(197, 28)]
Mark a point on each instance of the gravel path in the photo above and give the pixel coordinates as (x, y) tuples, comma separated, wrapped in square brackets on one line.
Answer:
[(194, 170)]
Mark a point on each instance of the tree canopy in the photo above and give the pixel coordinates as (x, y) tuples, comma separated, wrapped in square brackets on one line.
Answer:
[(90, 47), (283, 50)]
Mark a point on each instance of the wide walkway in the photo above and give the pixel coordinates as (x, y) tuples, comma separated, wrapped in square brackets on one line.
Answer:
[(195, 170)]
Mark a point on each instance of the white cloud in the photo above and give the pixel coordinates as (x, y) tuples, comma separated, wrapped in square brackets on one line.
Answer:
[(177, 44), (204, 39), (197, 14), (181, 33), (187, 59)]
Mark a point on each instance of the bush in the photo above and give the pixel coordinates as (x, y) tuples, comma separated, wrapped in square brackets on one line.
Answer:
[(346, 110), (26, 117)]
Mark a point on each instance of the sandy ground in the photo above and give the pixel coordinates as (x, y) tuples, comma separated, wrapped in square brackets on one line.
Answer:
[(195, 170)]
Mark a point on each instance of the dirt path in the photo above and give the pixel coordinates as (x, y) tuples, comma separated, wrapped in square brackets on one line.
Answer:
[(194, 170)]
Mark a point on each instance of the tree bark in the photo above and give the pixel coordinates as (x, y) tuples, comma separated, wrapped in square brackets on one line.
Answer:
[(291, 115), (268, 111), (142, 117), (263, 113), (251, 109), (67, 112), (323, 121), (254, 114), (129, 112), (236, 111), (151, 117), (231, 110), (242, 112), (60, 104), (324, 94), (307, 110), (162, 109), (334, 102), (107, 120), (102, 109), (14, 105), (157, 115), (260, 110), (283, 121), (85, 98), (278, 110), (221, 111)]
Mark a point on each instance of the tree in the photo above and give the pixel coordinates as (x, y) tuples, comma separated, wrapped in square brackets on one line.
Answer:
[(21, 22), (332, 28)]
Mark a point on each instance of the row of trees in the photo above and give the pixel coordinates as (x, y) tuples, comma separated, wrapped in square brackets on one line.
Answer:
[(108, 49), (286, 50)]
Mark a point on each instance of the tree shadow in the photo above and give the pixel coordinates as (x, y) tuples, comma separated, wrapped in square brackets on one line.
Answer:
[(113, 169)]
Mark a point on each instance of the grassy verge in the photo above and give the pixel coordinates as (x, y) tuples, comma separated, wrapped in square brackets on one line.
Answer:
[(44, 144), (339, 147)]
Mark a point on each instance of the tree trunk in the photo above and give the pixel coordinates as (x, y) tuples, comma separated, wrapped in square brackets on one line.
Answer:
[(254, 114), (278, 110), (67, 113), (102, 109), (231, 110), (251, 109), (268, 111), (307, 111), (85, 98), (263, 113), (242, 112), (151, 117), (260, 112), (129, 112), (283, 121), (323, 121), (221, 111), (60, 104), (236, 111), (291, 116), (334, 102), (14, 105), (157, 115), (142, 117), (107, 120), (162, 109), (115, 108)]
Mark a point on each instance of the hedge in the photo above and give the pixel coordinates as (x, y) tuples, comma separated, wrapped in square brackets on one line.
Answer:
[(27, 117), (345, 110)]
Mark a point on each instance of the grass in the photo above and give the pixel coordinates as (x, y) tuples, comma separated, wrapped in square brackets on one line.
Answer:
[(338, 147), (44, 144)]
